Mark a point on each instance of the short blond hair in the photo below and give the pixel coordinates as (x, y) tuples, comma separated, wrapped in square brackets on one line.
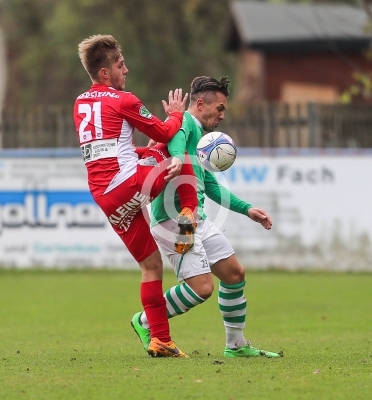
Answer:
[(98, 51)]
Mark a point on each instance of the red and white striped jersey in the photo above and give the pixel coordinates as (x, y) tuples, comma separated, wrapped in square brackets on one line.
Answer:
[(105, 119)]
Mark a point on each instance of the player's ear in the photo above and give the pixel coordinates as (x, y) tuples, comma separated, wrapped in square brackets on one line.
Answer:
[(200, 104), (103, 74)]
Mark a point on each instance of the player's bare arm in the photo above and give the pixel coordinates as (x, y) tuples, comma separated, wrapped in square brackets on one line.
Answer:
[(151, 143), (174, 169), (260, 216)]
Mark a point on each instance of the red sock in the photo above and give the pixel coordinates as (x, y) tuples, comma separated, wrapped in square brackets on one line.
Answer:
[(156, 311), (187, 191)]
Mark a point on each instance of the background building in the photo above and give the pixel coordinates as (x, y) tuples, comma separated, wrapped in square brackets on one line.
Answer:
[(297, 52)]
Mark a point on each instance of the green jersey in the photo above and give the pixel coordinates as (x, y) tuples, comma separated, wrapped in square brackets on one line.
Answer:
[(186, 140)]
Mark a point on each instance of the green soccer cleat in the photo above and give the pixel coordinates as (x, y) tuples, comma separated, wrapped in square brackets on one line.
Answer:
[(250, 351), (143, 333)]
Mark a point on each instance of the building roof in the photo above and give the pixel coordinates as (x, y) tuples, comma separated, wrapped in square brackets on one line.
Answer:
[(296, 27)]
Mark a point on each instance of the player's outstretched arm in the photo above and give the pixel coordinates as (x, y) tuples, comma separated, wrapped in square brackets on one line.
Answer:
[(260, 216), (175, 102), (222, 196), (225, 198)]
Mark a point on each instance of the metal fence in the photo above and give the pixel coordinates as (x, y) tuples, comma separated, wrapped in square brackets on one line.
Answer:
[(39, 127), (259, 125), (301, 125)]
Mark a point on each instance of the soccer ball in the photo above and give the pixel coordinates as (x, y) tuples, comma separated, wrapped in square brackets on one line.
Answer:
[(216, 151)]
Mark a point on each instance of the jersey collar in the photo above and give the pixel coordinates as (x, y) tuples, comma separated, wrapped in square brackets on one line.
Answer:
[(195, 119)]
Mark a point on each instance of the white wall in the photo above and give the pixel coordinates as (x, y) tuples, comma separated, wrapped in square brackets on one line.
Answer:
[(320, 204)]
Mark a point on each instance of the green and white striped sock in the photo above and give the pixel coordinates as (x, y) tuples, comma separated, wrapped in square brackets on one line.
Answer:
[(179, 299), (233, 307)]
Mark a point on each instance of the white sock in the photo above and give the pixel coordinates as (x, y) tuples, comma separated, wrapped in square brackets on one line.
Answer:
[(234, 338)]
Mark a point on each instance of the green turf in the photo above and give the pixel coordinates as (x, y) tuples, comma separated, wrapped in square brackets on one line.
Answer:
[(66, 335)]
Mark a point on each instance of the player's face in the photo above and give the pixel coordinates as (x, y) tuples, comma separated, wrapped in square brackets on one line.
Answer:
[(118, 73), (213, 113)]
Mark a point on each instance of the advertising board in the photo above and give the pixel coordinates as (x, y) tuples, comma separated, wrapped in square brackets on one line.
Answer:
[(48, 217), (319, 203)]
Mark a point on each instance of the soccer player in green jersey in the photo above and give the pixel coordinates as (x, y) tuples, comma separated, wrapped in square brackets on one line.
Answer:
[(211, 253)]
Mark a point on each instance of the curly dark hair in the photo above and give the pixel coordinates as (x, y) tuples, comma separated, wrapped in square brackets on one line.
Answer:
[(205, 84)]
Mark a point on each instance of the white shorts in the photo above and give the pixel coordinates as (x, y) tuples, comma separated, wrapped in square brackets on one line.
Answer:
[(210, 246)]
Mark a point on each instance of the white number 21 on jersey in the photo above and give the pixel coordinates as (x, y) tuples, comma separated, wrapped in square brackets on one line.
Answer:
[(89, 110)]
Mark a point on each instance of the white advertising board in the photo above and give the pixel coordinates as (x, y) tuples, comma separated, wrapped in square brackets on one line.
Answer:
[(49, 219), (319, 203)]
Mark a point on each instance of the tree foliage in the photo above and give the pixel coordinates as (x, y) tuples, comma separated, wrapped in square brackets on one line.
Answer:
[(165, 44)]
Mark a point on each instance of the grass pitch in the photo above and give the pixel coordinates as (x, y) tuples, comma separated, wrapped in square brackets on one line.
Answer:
[(66, 335)]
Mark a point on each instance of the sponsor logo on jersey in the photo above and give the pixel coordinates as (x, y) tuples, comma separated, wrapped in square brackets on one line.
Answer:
[(86, 151), (95, 95), (99, 149), (159, 152), (124, 215), (144, 112)]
